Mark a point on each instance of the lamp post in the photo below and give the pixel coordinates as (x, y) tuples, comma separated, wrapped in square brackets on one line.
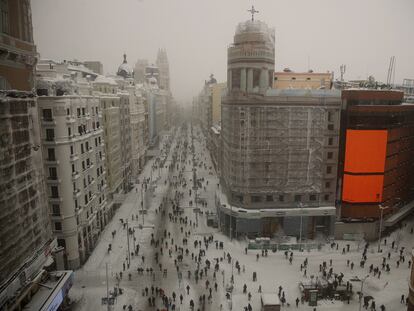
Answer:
[(380, 226), (129, 253), (107, 288), (360, 292), (300, 228)]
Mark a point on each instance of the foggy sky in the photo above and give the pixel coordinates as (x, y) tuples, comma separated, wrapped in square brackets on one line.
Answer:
[(363, 34)]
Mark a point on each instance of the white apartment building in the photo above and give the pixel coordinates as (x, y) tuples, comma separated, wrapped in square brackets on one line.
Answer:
[(74, 153), (106, 89)]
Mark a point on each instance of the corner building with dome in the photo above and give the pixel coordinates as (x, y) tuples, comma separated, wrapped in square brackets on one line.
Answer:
[(279, 147)]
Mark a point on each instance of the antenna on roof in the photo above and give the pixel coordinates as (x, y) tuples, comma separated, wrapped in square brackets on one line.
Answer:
[(391, 71), (342, 69)]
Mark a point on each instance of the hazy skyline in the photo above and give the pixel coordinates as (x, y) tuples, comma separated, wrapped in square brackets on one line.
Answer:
[(361, 34)]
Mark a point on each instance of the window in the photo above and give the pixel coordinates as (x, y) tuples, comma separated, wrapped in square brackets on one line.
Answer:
[(327, 185), (326, 197), (68, 111), (52, 173), (330, 116), (54, 191), (87, 145), (312, 197), (96, 142), (47, 114), (69, 132), (56, 209), (4, 10), (61, 243), (330, 127), (281, 198), (78, 112), (84, 182), (330, 155), (86, 199), (58, 226), (51, 154), (330, 141), (80, 129), (328, 169), (83, 111), (88, 162), (269, 198), (82, 151), (256, 198), (76, 204), (293, 78), (71, 150), (298, 198), (50, 134), (83, 165), (73, 168)]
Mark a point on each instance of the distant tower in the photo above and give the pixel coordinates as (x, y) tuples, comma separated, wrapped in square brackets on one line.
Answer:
[(162, 64), (139, 70), (124, 70)]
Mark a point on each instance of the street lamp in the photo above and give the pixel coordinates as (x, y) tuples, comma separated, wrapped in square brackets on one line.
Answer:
[(129, 253), (360, 292), (300, 205), (380, 227)]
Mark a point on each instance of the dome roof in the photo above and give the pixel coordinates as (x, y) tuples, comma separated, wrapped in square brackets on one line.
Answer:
[(253, 31), (124, 70)]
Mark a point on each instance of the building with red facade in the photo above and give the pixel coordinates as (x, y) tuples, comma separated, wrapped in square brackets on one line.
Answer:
[(376, 145)]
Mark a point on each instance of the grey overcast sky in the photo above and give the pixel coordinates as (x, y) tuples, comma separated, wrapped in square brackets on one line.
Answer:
[(363, 34)]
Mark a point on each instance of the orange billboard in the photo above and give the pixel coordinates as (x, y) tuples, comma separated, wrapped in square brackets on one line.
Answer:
[(365, 151), (362, 188)]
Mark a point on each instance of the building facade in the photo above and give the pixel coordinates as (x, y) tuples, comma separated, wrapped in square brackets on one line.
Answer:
[(73, 147), (279, 147), (377, 145), (288, 79), (25, 230), (164, 70), (18, 52)]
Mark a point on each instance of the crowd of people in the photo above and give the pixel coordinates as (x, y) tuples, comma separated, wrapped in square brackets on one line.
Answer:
[(201, 276)]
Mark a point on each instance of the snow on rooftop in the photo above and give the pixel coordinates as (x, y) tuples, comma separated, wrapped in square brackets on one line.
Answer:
[(104, 80)]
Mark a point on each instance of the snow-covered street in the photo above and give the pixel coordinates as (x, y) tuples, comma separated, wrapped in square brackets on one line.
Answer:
[(164, 253)]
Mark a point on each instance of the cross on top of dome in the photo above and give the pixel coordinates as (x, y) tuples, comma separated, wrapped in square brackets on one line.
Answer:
[(252, 11)]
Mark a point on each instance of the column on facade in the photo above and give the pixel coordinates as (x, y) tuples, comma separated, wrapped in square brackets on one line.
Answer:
[(264, 79), (249, 80), (243, 79)]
